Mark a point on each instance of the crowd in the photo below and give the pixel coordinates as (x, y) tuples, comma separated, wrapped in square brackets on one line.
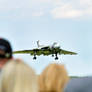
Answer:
[(17, 76)]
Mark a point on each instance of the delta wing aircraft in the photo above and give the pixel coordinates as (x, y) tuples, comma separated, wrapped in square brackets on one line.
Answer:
[(53, 50)]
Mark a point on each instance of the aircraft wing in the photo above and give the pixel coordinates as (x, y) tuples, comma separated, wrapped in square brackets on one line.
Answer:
[(67, 52), (31, 52)]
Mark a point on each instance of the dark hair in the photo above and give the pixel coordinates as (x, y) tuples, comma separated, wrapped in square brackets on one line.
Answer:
[(6, 47)]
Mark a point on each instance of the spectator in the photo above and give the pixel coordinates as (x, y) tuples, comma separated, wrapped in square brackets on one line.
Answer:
[(53, 78), (17, 76), (5, 52)]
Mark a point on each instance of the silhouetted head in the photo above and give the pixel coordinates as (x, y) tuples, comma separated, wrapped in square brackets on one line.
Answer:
[(5, 51)]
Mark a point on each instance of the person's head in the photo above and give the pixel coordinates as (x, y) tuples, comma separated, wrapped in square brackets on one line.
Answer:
[(5, 51), (53, 78), (17, 76)]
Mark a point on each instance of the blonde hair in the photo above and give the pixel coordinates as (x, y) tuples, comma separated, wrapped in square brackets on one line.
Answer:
[(53, 78), (17, 76)]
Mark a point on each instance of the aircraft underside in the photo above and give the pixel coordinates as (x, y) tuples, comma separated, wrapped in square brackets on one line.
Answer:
[(53, 55)]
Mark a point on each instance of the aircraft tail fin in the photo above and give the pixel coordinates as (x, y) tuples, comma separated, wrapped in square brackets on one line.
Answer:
[(38, 43), (54, 44)]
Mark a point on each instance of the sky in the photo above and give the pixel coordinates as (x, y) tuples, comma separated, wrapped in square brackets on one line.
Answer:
[(67, 22)]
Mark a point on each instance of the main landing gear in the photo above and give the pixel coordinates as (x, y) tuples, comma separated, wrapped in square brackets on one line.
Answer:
[(34, 58), (56, 57)]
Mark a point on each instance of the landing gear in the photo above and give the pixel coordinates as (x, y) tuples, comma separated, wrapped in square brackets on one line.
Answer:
[(34, 58), (52, 55), (56, 57)]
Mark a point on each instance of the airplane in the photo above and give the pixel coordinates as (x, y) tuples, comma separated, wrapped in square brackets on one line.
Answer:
[(53, 50)]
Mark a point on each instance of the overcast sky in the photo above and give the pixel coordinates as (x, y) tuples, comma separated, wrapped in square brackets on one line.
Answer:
[(68, 22)]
